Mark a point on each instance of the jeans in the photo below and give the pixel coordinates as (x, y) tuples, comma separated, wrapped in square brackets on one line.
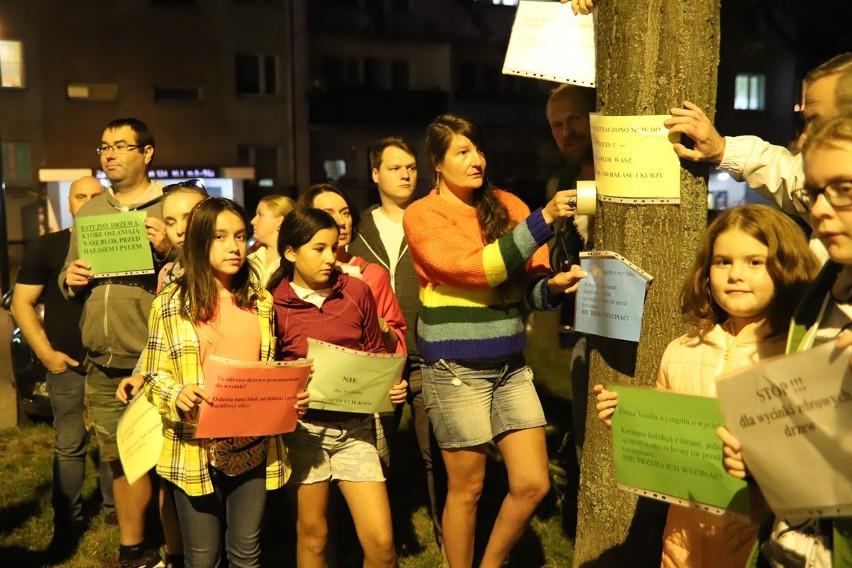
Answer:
[(72, 438), (236, 503)]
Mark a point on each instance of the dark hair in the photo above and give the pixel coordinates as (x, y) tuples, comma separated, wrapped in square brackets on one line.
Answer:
[(298, 228), (198, 294), (184, 189), (492, 214), (307, 200), (790, 263), (144, 137), (379, 148)]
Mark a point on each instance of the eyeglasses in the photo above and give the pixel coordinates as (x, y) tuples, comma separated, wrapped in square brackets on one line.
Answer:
[(197, 183), (120, 148), (838, 194)]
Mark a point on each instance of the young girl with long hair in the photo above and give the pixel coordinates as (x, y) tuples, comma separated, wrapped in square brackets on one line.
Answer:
[(314, 300), (214, 308), (178, 202), (479, 253), (336, 203), (824, 314), (753, 265)]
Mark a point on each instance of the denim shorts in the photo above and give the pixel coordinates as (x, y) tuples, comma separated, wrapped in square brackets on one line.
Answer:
[(472, 402), (342, 451)]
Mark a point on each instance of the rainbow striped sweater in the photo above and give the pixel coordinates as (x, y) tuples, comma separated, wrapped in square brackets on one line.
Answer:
[(472, 291)]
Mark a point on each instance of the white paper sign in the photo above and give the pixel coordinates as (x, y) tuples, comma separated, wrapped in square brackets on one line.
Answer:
[(140, 437), (793, 416), (549, 42)]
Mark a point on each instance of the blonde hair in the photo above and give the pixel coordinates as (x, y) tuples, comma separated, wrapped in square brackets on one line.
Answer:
[(279, 204)]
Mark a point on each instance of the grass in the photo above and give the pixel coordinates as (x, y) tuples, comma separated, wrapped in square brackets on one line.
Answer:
[(26, 514)]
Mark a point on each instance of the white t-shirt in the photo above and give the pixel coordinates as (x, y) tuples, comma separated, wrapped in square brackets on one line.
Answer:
[(392, 236)]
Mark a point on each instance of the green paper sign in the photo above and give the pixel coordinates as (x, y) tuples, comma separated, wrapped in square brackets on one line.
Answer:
[(665, 447), (115, 245)]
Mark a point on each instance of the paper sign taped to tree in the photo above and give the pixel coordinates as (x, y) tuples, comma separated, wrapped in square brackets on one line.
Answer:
[(793, 416), (352, 381), (250, 398), (139, 437), (549, 42), (634, 157), (611, 298), (115, 245), (665, 447)]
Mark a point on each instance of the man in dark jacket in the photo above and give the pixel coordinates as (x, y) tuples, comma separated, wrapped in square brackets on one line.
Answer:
[(380, 239)]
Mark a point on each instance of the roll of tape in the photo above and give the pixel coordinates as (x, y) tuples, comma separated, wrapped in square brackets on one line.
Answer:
[(586, 198)]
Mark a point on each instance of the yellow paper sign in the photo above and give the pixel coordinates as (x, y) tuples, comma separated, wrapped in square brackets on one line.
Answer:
[(634, 157), (139, 437)]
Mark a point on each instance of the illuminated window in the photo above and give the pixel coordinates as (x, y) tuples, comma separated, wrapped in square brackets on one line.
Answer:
[(749, 91), (92, 91), (257, 74), (17, 169), (11, 64)]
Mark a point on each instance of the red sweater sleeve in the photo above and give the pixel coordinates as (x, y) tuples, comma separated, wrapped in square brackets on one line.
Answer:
[(386, 304)]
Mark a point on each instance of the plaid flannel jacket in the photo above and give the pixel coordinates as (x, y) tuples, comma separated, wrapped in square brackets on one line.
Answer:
[(172, 360)]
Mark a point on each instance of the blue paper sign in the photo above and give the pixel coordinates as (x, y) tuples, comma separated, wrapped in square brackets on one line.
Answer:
[(611, 299)]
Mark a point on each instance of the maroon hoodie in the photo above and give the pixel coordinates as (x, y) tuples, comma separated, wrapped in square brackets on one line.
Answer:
[(347, 318)]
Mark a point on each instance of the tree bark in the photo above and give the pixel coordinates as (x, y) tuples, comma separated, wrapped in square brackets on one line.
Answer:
[(651, 55)]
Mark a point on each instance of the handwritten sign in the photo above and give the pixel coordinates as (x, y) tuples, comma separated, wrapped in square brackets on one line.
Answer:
[(115, 244), (793, 416), (634, 157), (611, 298), (139, 437), (352, 381), (251, 398), (665, 447), (549, 42)]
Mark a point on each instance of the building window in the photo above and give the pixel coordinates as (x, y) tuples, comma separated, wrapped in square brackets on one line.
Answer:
[(372, 73), (17, 171), (749, 91), (334, 169), (176, 94), (257, 74), (264, 160), (92, 91), (400, 75), (11, 64)]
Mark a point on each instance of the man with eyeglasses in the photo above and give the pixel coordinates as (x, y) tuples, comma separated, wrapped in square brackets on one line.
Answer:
[(115, 318), (772, 171)]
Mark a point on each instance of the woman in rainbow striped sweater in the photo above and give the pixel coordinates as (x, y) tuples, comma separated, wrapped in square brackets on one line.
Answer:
[(479, 253)]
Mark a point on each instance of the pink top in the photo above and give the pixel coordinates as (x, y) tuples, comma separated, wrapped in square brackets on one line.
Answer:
[(232, 333)]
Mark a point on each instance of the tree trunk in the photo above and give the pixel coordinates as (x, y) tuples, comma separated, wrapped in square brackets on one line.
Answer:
[(651, 55)]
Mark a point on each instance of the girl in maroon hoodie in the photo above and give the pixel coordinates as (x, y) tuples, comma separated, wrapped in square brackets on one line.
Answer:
[(312, 299)]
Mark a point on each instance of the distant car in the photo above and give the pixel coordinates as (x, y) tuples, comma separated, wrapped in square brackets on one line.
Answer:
[(28, 374)]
